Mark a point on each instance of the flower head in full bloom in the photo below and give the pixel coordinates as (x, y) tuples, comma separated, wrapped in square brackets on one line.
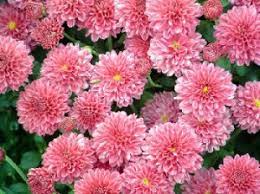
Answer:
[(174, 149), (143, 177), (238, 175), (13, 22), (238, 32), (212, 9), (173, 16), (246, 108), (213, 132), (174, 54), (205, 90), (69, 156), (203, 182), (161, 109), (40, 181), (99, 181), (255, 3), (69, 11), (68, 66), (100, 21), (15, 63), (41, 107), (116, 79), (89, 109), (119, 138), (48, 33), (212, 52), (132, 18)]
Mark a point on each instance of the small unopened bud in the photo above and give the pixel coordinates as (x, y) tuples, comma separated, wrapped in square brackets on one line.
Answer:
[(67, 124), (212, 52), (212, 9), (2, 154)]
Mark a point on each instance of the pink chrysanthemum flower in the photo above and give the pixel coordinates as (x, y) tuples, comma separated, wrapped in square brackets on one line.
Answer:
[(68, 66), (212, 9), (161, 109), (89, 109), (116, 79), (40, 181), (255, 3), (100, 20), (174, 149), (203, 182), (212, 133), (35, 9), (205, 90), (169, 17), (69, 11), (67, 124), (48, 33), (68, 157), (212, 52), (238, 175), (238, 32), (15, 63), (143, 177), (41, 107), (174, 54), (119, 138), (246, 107), (99, 181), (13, 22), (130, 14)]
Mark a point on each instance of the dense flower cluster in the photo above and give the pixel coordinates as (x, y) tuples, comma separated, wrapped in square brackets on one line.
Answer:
[(116, 129)]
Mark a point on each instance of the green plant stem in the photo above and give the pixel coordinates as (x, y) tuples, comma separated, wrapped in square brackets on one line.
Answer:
[(152, 83), (16, 168), (110, 43), (133, 109), (1, 191), (89, 48)]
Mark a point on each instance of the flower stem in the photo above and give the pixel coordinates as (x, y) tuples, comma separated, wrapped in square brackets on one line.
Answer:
[(110, 43), (70, 38), (16, 168), (152, 83)]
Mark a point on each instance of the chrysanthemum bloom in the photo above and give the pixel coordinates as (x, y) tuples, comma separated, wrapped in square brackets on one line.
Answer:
[(238, 175), (48, 33), (34, 9), (99, 181), (212, 52), (13, 22), (238, 32), (173, 54), (89, 109), (116, 79), (41, 107), (130, 14), (143, 177), (69, 156), (212, 9), (67, 124), (174, 149), (173, 16), (15, 63), (100, 20), (255, 3), (119, 138), (68, 66), (69, 11), (40, 181), (203, 182), (161, 109), (246, 107), (212, 133), (205, 90)]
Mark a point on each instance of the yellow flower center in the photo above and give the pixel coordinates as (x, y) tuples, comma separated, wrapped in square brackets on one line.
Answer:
[(207, 192), (117, 77), (172, 149), (65, 67), (146, 182), (205, 89), (257, 103), (164, 118), (176, 45), (11, 25)]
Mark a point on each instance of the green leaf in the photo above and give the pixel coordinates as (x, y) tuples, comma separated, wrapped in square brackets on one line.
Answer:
[(224, 63), (206, 29), (30, 160), (19, 188)]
